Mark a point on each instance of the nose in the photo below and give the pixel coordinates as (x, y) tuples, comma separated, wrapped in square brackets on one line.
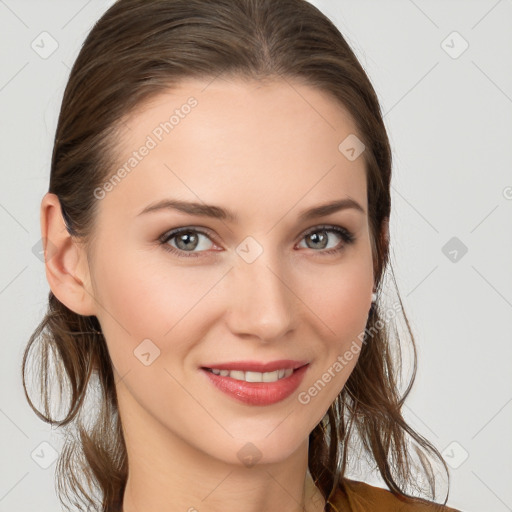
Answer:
[(262, 302)]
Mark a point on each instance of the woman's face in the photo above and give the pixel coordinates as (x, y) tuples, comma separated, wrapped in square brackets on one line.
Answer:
[(261, 287)]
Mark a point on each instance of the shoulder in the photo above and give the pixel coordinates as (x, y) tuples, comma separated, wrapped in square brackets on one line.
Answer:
[(362, 497)]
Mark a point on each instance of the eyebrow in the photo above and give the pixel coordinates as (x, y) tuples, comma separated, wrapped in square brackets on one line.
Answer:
[(216, 212)]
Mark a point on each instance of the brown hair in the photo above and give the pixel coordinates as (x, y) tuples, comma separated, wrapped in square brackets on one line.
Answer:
[(138, 49)]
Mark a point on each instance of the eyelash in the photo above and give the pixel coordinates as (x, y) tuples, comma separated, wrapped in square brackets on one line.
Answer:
[(347, 236)]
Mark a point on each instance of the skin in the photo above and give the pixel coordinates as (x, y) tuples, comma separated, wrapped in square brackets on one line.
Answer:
[(266, 152)]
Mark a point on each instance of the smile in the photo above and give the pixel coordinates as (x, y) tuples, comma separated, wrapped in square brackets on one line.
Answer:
[(254, 376), (256, 388)]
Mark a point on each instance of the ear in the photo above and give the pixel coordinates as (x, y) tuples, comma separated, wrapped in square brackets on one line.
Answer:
[(67, 270)]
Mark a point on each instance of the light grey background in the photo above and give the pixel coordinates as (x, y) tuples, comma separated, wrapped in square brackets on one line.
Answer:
[(449, 117)]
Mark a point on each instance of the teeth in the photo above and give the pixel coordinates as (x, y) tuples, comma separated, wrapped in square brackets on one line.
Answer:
[(254, 376)]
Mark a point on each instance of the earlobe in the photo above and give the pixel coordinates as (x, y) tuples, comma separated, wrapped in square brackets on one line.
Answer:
[(65, 260)]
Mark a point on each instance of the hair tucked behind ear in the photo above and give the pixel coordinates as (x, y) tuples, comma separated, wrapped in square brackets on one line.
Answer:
[(137, 50)]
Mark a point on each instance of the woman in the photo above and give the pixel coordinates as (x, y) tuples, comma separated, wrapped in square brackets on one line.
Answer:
[(241, 370)]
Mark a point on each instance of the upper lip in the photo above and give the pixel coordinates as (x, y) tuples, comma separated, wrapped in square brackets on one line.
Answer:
[(256, 366)]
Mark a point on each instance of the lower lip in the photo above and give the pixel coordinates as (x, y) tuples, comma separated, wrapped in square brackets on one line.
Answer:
[(258, 393)]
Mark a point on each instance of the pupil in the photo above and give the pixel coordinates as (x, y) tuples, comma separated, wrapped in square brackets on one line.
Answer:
[(185, 236), (317, 237)]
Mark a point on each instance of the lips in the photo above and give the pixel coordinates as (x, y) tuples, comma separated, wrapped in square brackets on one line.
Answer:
[(258, 393), (257, 366)]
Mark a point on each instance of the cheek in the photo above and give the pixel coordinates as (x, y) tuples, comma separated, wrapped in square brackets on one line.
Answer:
[(341, 297), (145, 297), (341, 302)]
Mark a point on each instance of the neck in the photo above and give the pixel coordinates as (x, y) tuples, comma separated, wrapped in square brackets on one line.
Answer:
[(311, 500)]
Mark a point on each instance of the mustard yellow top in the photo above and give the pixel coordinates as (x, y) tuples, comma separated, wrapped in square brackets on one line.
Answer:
[(363, 497)]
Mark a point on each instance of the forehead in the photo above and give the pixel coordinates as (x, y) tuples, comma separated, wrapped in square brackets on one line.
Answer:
[(228, 140)]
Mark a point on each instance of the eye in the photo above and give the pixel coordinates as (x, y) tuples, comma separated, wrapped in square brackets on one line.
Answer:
[(321, 241), (189, 238)]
